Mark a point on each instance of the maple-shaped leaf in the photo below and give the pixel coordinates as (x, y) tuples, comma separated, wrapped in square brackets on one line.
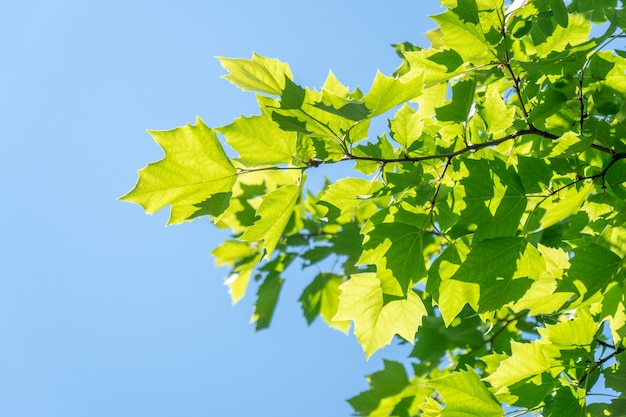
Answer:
[(321, 297), (259, 140), (406, 126), (496, 113), (466, 395), (376, 322), (267, 298), (526, 360), (592, 269), (388, 92), (274, 212), (194, 169), (243, 258), (466, 38), (261, 74), (398, 249), (488, 275), (571, 333), (345, 195)]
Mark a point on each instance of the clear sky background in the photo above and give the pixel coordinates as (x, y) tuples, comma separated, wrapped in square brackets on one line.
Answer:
[(105, 311)]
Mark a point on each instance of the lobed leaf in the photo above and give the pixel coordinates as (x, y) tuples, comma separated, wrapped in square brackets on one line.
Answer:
[(376, 322), (194, 169)]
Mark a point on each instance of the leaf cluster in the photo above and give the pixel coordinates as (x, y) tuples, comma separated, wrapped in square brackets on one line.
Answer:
[(486, 227)]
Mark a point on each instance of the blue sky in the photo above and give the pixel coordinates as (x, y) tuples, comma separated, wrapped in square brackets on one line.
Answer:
[(105, 311)]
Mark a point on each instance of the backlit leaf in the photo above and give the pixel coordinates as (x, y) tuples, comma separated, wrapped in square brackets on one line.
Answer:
[(321, 297), (375, 323), (195, 167), (526, 360), (259, 73), (274, 212), (259, 140), (466, 395)]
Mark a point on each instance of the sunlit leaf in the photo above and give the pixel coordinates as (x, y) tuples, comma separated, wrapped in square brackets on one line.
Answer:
[(375, 323), (465, 395), (195, 168)]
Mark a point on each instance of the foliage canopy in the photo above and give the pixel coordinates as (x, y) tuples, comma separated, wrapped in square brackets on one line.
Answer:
[(487, 227)]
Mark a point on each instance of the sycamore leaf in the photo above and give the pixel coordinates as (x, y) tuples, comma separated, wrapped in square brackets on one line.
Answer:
[(388, 92), (466, 396), (614, 309), (569, 334), (375, 323), (244, 259), (260, 74), (259, 140), (487, 276), (436, 70), (398, 248), (592, 268), (406, 127), (526, 360), (274, 212), (466, 38), (267, 297), (321, 297), (345, 195), (462, 100), (497, 114), (194, 168)]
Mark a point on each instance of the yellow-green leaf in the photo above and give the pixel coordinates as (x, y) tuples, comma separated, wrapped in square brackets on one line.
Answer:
[(259, 140), (375, 323), (265, 75), (274, 212), (526, 360), (465, 395), (194, 169)]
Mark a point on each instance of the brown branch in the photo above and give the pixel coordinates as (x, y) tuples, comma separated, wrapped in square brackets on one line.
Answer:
[(506, 324), (598, 364), (469, 148)]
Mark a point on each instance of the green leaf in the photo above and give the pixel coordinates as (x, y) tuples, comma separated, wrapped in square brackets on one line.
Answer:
[(614, 310), (398, 248), (406, 127), (527, 360), (568, 401), (615, 375), (466, 38), (576, 32), (274, 212), (491, 197), (244, 259), (592, 269), (260, 141), (354, 111), (391, 380), (487, 276), (570, 144), (465, 395), (496, 113), (375, 323), (572, 333), (559, 11), (462, 99), (346, 194), (261, 74), (321, 297), (267, 297), (292, 97), (195, 167), (387, 92)]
